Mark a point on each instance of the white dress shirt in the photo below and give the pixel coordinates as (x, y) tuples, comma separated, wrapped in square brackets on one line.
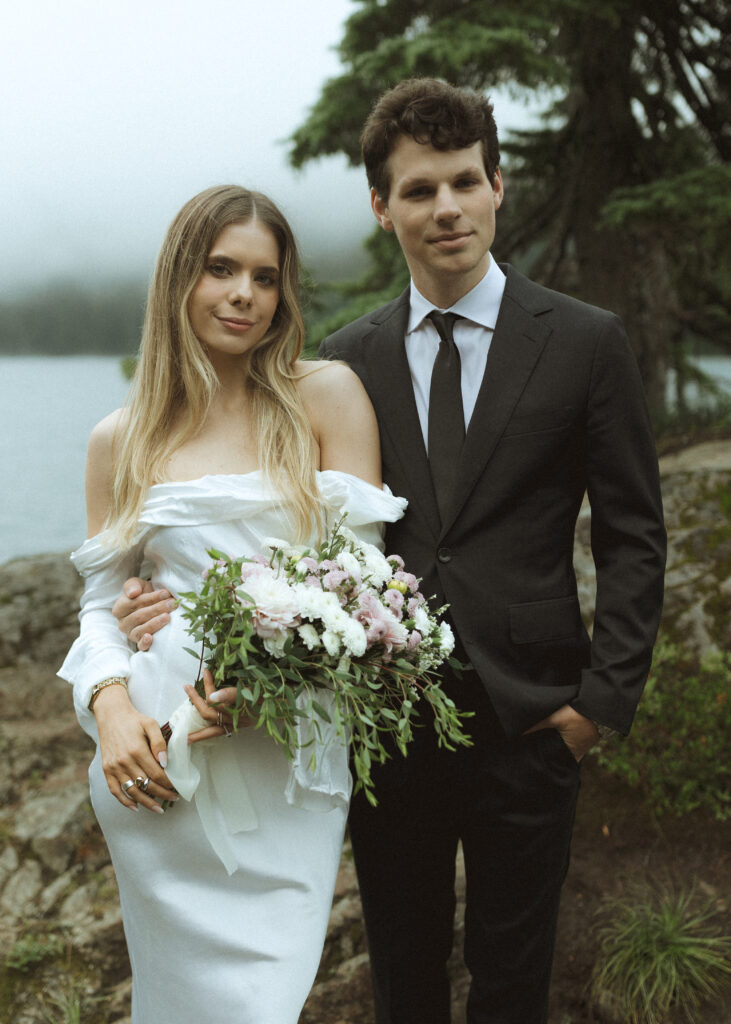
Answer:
[(472, 336)]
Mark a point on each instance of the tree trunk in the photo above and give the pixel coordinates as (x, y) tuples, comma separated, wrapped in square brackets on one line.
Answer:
[(608, 260)]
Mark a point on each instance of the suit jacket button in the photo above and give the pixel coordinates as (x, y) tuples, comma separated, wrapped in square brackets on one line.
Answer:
[(444, 554)]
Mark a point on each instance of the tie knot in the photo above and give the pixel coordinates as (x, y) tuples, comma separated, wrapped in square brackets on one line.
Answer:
[(444, 323)]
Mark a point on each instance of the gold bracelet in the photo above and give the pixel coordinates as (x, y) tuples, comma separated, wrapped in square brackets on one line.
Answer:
[(111, 681)]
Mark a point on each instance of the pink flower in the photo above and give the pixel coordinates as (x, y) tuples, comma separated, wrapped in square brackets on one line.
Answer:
[(394, 599), (413, 604), (396, 561), (334, 579), (380, 623), (414, 640), (249, 569)]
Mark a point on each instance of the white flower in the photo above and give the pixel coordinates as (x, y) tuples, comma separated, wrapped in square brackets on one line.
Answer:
[(422, 622), (346, 560), (317, 604), (376, 566), (447, 637), (331, 642), (309, 636), (354, 638)]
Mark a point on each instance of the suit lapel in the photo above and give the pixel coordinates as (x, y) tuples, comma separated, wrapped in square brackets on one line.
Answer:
[(392, 393), (516, 346)]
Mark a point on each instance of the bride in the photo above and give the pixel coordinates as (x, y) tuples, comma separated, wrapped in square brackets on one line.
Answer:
[(228, 439)]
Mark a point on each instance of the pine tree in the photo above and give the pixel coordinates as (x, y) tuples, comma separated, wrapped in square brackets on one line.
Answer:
[(622, 195)]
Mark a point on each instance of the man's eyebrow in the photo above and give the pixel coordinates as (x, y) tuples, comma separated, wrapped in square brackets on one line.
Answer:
[(426, 179)]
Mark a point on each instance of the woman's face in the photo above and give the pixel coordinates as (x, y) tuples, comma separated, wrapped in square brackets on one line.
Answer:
[(232, 305)]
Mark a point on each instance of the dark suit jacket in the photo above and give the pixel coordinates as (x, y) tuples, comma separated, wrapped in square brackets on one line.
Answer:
[(560, 412)]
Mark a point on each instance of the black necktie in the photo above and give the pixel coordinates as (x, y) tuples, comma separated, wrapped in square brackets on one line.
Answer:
[(446, 415)]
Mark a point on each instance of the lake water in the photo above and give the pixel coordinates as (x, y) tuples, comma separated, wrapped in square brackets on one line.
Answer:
[(48, 407)]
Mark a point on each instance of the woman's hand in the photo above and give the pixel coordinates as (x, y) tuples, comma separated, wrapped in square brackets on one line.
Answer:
[(218, 715), (132, 750)]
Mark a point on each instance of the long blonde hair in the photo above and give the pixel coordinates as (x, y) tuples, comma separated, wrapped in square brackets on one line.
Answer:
[(175, 384)]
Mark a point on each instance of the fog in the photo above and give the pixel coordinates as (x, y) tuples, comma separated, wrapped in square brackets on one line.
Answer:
[(114, 114)]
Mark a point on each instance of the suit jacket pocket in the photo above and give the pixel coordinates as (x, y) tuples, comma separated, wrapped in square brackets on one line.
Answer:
[(543, 621), (539, 422)]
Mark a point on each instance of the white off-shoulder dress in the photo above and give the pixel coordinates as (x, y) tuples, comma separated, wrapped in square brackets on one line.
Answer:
[(225, 897)]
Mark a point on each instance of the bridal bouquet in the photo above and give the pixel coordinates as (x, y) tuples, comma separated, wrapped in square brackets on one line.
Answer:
[(340, 618)]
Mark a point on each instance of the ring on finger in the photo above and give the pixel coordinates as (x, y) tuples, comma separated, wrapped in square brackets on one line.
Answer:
[(127, 786), (219, 720), (142, 783)]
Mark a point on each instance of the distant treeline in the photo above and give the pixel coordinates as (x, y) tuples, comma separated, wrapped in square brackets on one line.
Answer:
[(65, 319)]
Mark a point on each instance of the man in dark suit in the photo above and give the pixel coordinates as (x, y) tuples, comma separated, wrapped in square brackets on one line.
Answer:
[(551, 399)]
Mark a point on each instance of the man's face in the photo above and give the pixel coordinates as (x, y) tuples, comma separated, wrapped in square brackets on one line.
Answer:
[(442, 208)]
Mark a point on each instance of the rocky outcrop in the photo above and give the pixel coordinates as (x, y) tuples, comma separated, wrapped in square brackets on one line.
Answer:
[(61, 937)]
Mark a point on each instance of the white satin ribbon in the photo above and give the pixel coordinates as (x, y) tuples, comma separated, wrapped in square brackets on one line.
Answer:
[(326, 783), (196, 769)]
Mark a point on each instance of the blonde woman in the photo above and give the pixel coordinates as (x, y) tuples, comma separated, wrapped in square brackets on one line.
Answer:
[(228, 438)]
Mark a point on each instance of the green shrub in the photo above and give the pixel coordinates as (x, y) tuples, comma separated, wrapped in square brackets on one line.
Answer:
[(32, 950), (677, 752), (658, 952)]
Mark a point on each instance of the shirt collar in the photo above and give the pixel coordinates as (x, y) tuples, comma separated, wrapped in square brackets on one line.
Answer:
[(481, 304)]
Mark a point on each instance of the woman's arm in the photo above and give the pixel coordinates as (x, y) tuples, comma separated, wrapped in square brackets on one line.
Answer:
[(130, 743)]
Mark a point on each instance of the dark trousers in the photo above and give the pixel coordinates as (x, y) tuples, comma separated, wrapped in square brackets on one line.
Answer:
[(511, 802)]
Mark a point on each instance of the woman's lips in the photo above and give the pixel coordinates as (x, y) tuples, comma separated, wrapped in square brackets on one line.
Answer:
[(235, 324)]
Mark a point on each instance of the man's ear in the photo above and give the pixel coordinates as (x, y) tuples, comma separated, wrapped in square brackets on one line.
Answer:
[(380, 211), (498, 192)]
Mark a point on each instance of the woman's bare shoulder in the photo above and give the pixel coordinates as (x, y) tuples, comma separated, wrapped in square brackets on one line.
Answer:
[(105, 434), (317, 375)]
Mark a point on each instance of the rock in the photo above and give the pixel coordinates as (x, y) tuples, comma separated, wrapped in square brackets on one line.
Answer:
[(39, 602), (53, 892), (53, 825), (8, 863), (19, 895)]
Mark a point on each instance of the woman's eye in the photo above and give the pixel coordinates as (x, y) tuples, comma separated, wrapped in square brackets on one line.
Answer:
[(266, 279), (218, 269)]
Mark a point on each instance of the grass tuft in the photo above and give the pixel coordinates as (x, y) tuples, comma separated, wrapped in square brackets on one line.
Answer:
[(659, 951)]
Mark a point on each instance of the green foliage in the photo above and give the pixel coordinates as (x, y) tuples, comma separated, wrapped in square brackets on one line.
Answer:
[(31, 950), (69, 1002), (621, 195), (128, 366), (658, 952), (677, 752)]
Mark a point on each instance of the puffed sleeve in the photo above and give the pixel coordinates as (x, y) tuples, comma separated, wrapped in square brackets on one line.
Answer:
[(367, 507), (100, 650)]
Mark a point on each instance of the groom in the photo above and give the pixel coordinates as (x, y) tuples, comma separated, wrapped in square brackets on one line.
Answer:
[(550, 396), (552, 403)]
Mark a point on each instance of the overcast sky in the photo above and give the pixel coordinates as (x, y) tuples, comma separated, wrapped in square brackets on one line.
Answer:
[(112, 114)]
